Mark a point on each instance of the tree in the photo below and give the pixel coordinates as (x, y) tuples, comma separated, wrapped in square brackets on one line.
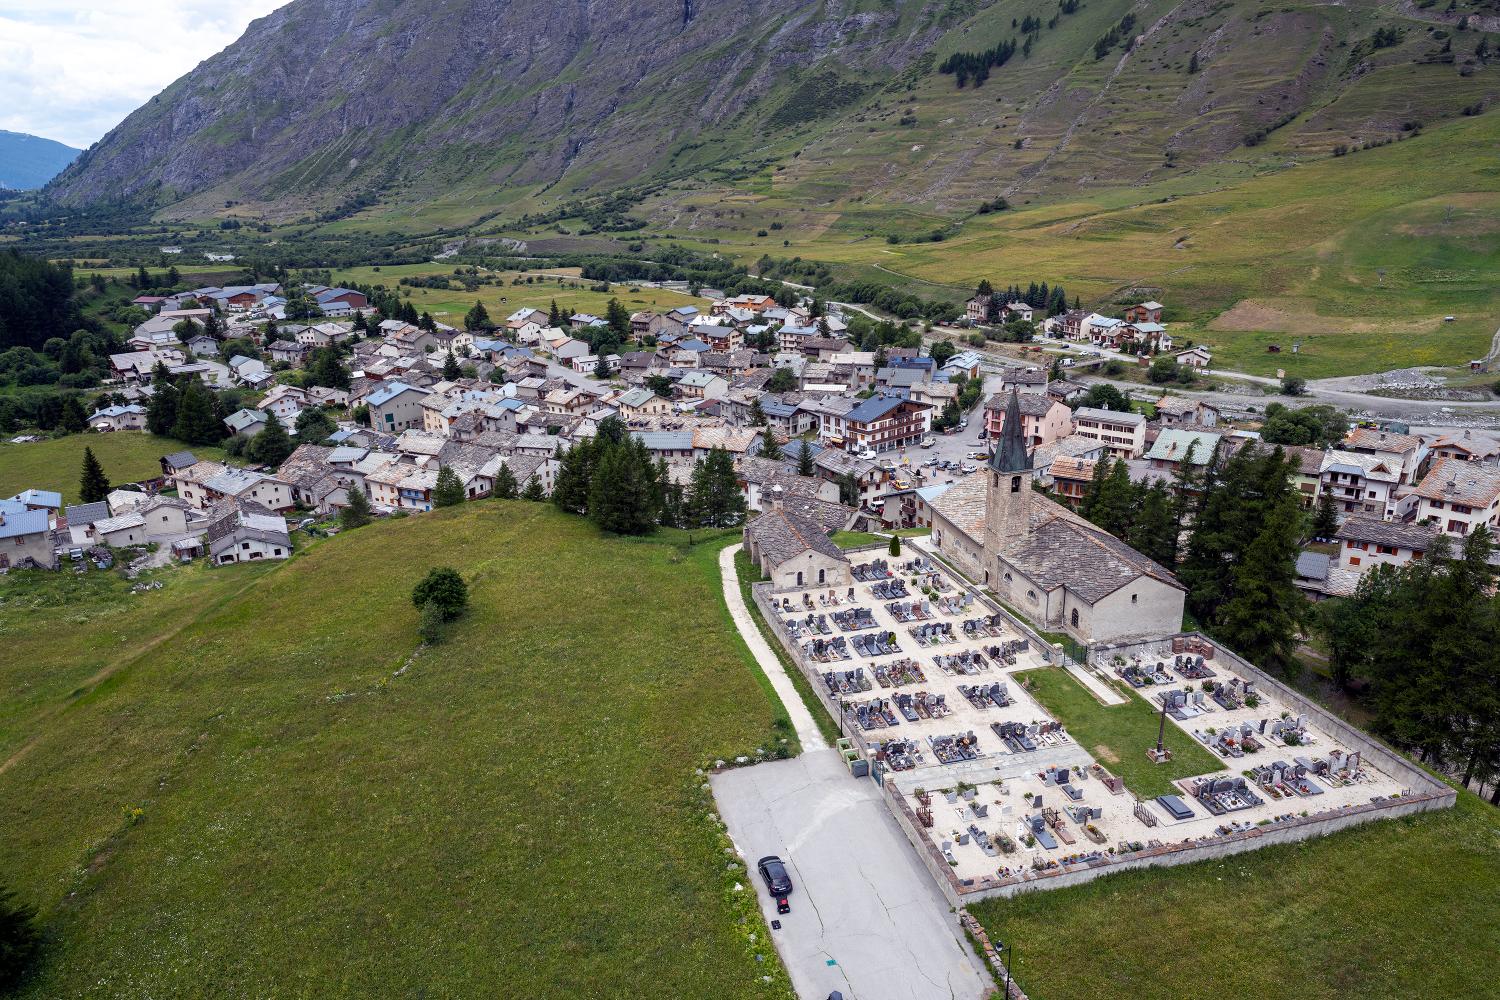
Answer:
[(1154, 531), (805, 466), (618, 318), (601, 369), (451, 372), (1163, 370), (327, 369), (554, 315), (506, 487), (534, 491), (570, 491), (660, 384), (1292, 385), (714, 496), (443, 588), (93, 486), (272, 445), (478, 318), (161, 408), (448, 491), (357, 513), (314, 425), (73, 419), (1193, 63), (1104, 396), (757, 416), (1325, 519), (20, 939), (621, 492), (782, 380), (196, 422), (895, 547), (770, 447), (941, 351)]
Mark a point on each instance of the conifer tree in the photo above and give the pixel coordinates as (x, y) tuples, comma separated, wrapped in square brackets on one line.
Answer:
[(534, 491), (161, 408), (805, 466), (714, 496), (196, 423), (93, 485), (448, 491), (451, 372), (770, 447), (357, 513), (506, 487), (272, 445)]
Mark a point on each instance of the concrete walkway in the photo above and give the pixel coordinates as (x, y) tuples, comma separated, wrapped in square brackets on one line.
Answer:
[(1087, 678), (802, 720), (866, 917)]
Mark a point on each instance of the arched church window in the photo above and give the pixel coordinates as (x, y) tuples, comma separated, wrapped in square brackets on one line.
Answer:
[(1074, 618)]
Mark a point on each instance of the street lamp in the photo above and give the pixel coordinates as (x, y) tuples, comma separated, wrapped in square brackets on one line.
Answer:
[(1000, 946)]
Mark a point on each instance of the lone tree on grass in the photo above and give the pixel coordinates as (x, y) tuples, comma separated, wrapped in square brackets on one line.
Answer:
[(448, 491), (357, 514), (20, 940), (444, 588), (94, 485), (895, 548)]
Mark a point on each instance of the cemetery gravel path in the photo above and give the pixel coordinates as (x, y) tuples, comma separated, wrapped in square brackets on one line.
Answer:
[(770, 663)]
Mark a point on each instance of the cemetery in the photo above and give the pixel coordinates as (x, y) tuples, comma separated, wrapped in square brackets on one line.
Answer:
[(930, 681)]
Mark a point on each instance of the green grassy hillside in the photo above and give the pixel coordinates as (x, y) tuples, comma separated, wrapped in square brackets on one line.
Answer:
[(57, 463), (274, 792)]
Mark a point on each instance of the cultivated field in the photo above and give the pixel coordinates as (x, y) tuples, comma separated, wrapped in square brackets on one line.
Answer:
[(571, 292), (260, 785), (57, 463)]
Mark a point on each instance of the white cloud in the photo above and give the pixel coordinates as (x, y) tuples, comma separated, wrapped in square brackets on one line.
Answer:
[(70, 70)]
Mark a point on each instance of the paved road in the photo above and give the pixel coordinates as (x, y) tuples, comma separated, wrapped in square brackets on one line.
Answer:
[(802, 720), (866, 917)]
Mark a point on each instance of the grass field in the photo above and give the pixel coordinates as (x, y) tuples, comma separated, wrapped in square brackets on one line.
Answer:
[(273, 791), (57, 463), (1399, 908), (1119, 735), (571, 293)]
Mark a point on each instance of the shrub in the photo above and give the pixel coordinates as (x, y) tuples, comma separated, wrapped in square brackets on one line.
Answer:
[(432, 624), (443, 587), (20, 940)]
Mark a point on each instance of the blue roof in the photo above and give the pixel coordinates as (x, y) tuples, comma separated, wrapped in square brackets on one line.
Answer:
[(776, 408), (923, 362), (28, 522), (872, 409), (692, 344), (40, 498), (387, 393), (685, 310), (665, 440), (1313, 565), (342, 434)]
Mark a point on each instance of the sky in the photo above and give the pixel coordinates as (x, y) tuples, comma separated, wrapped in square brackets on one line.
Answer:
[(71, 70)]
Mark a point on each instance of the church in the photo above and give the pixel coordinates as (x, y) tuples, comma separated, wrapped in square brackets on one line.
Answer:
[(1041, 558)]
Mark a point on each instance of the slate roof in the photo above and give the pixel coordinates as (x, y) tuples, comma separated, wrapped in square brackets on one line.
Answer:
[(1454, 481), (180, 460), (1033, 404), (1010, 454), (86, 513), (1173, 444), (1371, 439), (1396, 534), (781, 535)]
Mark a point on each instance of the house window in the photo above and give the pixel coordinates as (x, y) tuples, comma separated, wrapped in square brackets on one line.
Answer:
[(1074, 618), (1354, 560), (244, 545), (278, 552), (1135, 598)]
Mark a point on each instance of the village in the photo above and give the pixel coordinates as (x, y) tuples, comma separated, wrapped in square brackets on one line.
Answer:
[(918, 517)]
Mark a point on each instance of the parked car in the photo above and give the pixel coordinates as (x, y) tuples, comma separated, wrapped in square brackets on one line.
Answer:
[(868, 455), (929, 441), (778, 881), (967, 468)]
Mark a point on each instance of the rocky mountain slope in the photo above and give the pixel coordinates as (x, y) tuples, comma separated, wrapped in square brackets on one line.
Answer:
[(468, 108)]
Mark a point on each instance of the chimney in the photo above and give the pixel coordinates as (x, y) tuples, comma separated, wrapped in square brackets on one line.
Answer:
[(776, 499)]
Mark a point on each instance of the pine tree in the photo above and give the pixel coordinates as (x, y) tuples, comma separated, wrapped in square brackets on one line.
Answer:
[(1154, 533), (770, 447), (1262, 619), (618, 318), (1116, 501), (451, 372), (272, 445), (757, 415), (328, 370), (477, 318), (161, 408), (73, 419), (93, 486), (620, 496), (448, 491), (570, 491), (1325, 520), (357, 513), (714, 496), (196, 423), (534, 491), (805, 465), (506, 487), (554, 315)]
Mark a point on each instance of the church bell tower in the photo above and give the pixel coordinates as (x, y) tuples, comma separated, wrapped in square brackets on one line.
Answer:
[(1008, 502)]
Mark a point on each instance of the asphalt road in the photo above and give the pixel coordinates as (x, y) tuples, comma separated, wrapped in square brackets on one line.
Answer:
[(866, 917)]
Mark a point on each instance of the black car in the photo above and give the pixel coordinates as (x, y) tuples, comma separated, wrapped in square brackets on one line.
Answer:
[(778, 881)]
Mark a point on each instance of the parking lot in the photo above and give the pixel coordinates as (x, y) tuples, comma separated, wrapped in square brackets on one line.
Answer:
[(866, 918)]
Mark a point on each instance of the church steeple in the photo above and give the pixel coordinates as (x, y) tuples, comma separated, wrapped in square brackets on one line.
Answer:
[(1010, 454)]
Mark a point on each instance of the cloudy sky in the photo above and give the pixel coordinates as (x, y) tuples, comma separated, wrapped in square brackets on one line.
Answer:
[(70, 70)]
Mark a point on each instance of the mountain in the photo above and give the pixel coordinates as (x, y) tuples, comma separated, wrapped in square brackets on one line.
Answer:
[(29, 161), (455, 111)]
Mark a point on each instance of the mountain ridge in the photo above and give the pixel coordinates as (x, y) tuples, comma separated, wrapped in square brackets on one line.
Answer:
[(30, 161)]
